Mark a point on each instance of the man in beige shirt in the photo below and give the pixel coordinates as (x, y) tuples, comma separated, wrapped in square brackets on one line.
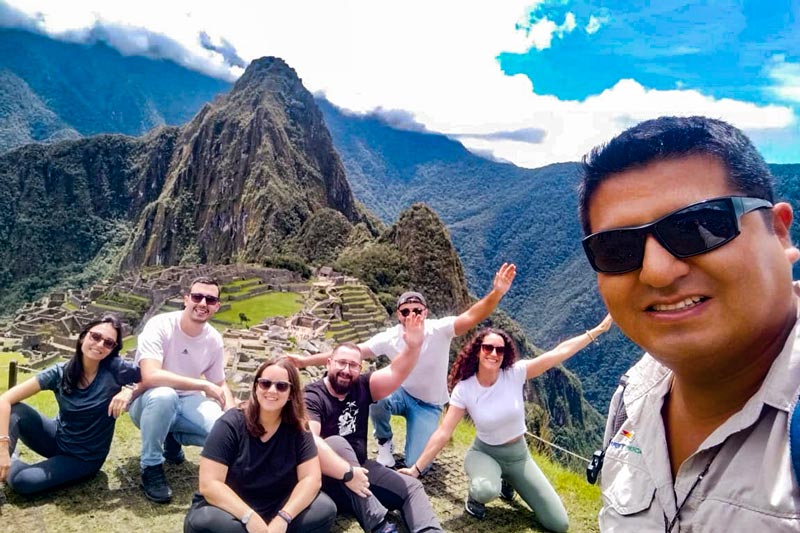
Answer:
[(694, 262)]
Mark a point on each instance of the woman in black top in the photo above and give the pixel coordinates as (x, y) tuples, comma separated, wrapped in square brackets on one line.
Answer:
[(76, 442), (259, 470)]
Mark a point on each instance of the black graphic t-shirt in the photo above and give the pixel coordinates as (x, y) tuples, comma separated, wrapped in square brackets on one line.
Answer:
[(347, 417)]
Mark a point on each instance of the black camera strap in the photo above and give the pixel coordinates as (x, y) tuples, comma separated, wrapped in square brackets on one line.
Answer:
[(620, 416)]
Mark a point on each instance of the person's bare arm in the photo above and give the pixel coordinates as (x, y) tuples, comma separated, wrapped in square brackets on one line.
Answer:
[(153, 375), (219, 494), (541, 364), (484, 307), (309, 481), (335, 467), (12, 396), (386, 380), (437, 441)]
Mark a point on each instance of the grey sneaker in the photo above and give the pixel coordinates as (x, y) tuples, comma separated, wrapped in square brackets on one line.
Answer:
[(155, 486), (506, 490), (173, 452), (475, 508)]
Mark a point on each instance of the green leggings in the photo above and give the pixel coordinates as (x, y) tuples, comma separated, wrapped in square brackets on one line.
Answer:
[(486, 465)]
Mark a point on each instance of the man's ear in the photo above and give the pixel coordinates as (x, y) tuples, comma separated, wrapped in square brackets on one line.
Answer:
[(782, 217)]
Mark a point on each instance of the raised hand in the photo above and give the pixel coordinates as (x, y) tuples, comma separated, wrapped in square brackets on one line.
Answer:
[(504, 278), (414, 330)]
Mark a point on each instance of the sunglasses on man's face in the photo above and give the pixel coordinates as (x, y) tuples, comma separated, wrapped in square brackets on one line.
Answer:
[(416, 311), (691, 230), (489, 348), (107, 343), (198, 297), (266, 384)]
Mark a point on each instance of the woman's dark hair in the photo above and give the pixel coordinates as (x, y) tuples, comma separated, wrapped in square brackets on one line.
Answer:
[(466, 364), (73, 371), (293, 413)]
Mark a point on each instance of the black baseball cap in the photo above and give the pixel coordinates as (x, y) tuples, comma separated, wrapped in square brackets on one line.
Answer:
[(411, 297)]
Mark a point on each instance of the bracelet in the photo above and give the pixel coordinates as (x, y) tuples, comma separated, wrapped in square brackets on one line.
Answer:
[(5, 438), (286, 516), (419, 472), (589, 333)]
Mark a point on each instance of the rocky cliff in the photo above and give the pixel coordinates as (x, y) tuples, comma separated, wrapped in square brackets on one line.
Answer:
[(248, 172)]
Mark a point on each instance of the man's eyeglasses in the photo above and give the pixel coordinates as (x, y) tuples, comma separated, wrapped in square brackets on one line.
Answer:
[(691, 230), (198, 297), (266, 384), (489, 348), (107, 343), (416, 311), (341, 364)]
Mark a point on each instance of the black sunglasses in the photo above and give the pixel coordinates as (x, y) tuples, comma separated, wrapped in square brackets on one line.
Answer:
[(416, 311), (691, 230), (107, 343), (489, 348), (198, 297), (280, 386)]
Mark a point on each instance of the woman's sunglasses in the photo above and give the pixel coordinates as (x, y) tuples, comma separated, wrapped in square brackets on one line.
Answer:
[(406, 312), (266, 384), (691, 230), (489, 348), (107, 343), (199, 297)]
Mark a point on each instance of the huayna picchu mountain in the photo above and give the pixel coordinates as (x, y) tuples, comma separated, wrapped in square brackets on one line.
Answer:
[(247, 172)]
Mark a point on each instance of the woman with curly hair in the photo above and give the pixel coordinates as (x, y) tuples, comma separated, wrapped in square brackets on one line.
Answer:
[(487, 382), (76, 442), (259, 470)]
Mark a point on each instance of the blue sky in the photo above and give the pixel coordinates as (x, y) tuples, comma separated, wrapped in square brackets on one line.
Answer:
[(527, 81)]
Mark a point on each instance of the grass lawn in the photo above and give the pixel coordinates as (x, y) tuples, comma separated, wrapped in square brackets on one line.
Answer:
[(5, 358), (128, 343), (262, 306)]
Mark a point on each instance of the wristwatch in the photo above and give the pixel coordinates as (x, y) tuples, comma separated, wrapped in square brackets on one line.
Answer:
[(348, 475), (246, 517)]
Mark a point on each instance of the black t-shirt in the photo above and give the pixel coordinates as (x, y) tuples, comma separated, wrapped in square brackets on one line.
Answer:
[(84, 428), (347, 417), (263, 474)]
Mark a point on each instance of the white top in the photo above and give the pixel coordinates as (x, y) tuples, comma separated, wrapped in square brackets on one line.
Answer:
[(498, 411), (163, 339), (749, 485), (428, 379)]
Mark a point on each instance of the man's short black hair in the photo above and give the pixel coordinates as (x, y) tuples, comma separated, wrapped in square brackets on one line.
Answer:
[(204, 280), (672, 138)]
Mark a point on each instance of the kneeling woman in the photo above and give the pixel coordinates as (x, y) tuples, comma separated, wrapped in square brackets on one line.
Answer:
[(259, 469), (487, 382), (75, 442)]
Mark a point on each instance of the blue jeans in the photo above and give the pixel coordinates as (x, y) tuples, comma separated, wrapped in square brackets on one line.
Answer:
[(422, 419), (160, 411)]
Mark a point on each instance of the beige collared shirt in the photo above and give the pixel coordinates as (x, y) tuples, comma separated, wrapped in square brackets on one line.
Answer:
[(749, 486)]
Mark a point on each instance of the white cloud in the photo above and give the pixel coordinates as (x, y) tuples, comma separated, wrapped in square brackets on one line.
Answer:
[(541, 32), (432, 63), (787, 78), (595, 23)]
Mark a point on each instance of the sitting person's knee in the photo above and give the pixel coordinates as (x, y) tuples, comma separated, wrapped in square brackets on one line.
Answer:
[(161, 396)]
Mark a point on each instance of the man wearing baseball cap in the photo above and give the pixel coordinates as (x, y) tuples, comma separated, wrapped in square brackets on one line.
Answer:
[(423, 394)]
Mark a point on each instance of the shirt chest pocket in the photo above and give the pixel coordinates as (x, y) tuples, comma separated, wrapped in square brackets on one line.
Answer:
[(627, 489)]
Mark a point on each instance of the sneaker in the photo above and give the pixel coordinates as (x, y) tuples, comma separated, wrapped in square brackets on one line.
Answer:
[(173, 452), (385, 454), (475, 508), (506, 490), (385, 527), (155, 485)]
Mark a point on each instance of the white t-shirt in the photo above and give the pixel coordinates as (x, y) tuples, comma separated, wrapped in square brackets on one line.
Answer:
[(497, 411), (428, 379), (163, 339)]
